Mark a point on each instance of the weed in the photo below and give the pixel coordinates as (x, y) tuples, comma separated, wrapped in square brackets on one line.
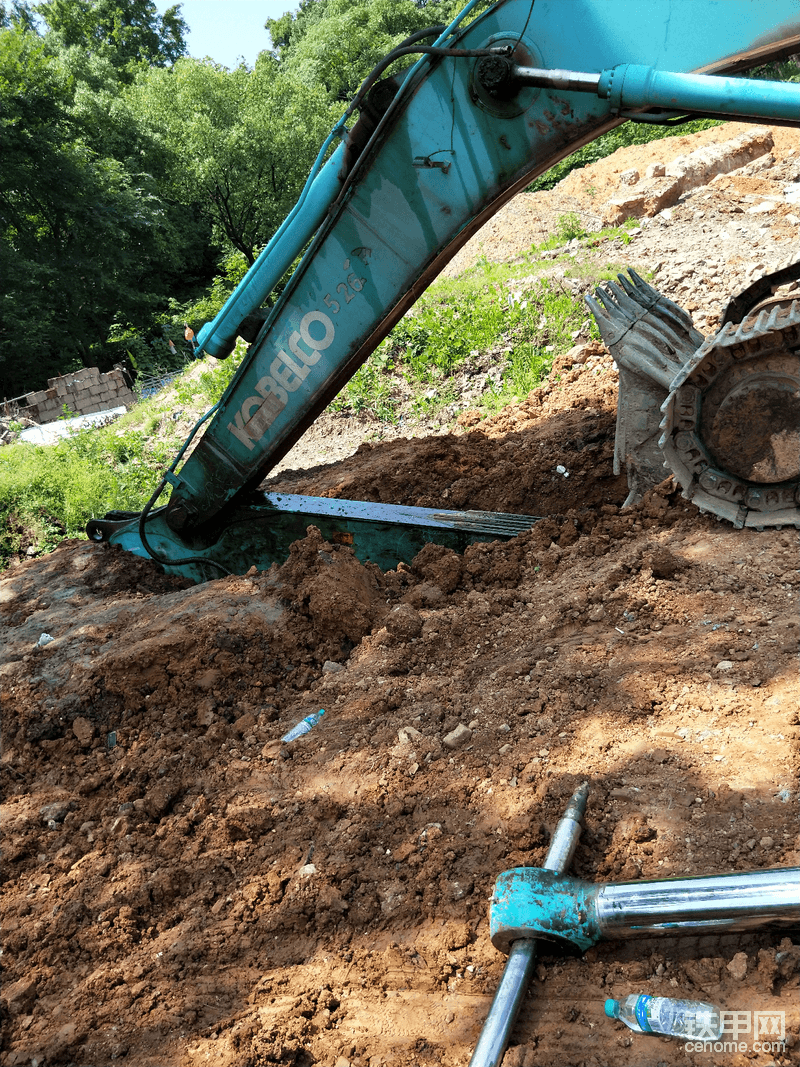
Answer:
[(369, 391), (569, 227)]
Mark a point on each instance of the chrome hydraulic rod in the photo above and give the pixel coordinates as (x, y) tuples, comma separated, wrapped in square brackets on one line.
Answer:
[(632, 85), (522, 955), (720, 902), (534, 903)]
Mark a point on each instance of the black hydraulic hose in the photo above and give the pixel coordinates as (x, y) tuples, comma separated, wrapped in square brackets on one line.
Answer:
[(411, 50), (420, 35), (145, 512)]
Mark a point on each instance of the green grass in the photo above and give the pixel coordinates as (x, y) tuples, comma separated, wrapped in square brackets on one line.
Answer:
[(511, 310), (49, 492)]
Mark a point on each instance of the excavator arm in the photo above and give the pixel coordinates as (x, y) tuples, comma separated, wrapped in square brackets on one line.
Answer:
[(437, 150)]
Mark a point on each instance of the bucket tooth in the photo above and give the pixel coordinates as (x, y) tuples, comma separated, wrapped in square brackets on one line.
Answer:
[(594, 307), (641, 296), (643, 286), (632, 308)]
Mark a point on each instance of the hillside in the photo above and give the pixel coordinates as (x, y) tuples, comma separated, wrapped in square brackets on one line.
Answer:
[(180, 889)]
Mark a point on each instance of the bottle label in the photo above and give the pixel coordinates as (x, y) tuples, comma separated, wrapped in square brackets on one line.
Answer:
[(643, 1014)]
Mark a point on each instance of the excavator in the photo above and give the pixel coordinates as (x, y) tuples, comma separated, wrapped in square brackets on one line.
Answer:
[(468, 116)]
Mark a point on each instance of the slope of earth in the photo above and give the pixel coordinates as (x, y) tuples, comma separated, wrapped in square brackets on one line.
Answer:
[(179, 888)]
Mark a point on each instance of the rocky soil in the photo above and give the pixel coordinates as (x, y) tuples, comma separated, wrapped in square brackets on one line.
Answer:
[(179, 888)]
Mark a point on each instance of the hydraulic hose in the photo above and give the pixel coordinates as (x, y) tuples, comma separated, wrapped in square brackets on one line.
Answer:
[(146, 510)]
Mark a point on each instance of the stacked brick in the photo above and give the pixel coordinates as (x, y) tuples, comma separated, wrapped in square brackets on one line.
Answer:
[(81, 392)]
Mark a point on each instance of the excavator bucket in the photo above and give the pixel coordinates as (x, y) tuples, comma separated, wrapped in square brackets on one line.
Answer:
[(722, 413)]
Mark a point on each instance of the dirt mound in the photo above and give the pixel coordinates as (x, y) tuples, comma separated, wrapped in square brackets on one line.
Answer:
[(181, 888)]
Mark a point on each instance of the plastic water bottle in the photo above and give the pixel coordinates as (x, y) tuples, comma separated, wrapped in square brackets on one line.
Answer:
[(304, 725), (690, 1019)]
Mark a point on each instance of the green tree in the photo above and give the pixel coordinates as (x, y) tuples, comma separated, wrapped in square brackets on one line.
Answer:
[(241, 142), (335, 43), (16, 13), (130, 33), (85, 241)]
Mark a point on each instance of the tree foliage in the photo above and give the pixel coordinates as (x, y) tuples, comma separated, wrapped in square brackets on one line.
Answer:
[(85, 239), (335, 43), (239, 143), (129, 33)]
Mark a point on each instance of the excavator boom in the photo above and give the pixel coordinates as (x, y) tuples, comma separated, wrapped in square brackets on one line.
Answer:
[(437, 150)]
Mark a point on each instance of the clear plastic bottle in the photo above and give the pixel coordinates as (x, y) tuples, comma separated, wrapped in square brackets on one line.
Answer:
[(304, 726), (691, 1019)]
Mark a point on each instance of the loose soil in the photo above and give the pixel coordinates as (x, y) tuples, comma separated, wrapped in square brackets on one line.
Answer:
[(181, 889)]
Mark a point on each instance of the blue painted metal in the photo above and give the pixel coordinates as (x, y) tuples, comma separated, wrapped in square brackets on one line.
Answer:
[(262, 534), (633, 86), (529, 903)]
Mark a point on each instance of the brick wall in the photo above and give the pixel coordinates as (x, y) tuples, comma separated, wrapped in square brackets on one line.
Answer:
[(82, 392)]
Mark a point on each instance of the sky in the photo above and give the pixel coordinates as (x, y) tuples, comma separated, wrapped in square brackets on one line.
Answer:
[(228, 30)]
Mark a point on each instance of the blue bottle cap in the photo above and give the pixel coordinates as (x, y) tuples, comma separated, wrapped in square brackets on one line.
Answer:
[(611, 1007)]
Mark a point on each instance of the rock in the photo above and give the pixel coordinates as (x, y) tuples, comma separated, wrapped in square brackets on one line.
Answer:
[(629, 177), (458, 737), (55, 812), (404, 623), (738, 966), (83, 730), (424, 595), (157, 801), (244, 724), (330, 667), (655, 170), (766, 842), (20, 995), (685, 173), (651, 196), (724, 665), (767, 968), (700, 166)]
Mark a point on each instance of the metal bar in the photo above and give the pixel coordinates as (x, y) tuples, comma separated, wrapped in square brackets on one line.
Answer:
[(530, 902), (522, 955), (698, 905), (563, 80), (490, 522), (565, 838)]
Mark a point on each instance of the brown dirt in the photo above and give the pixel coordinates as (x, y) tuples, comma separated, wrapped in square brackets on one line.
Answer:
[(199, 894)]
